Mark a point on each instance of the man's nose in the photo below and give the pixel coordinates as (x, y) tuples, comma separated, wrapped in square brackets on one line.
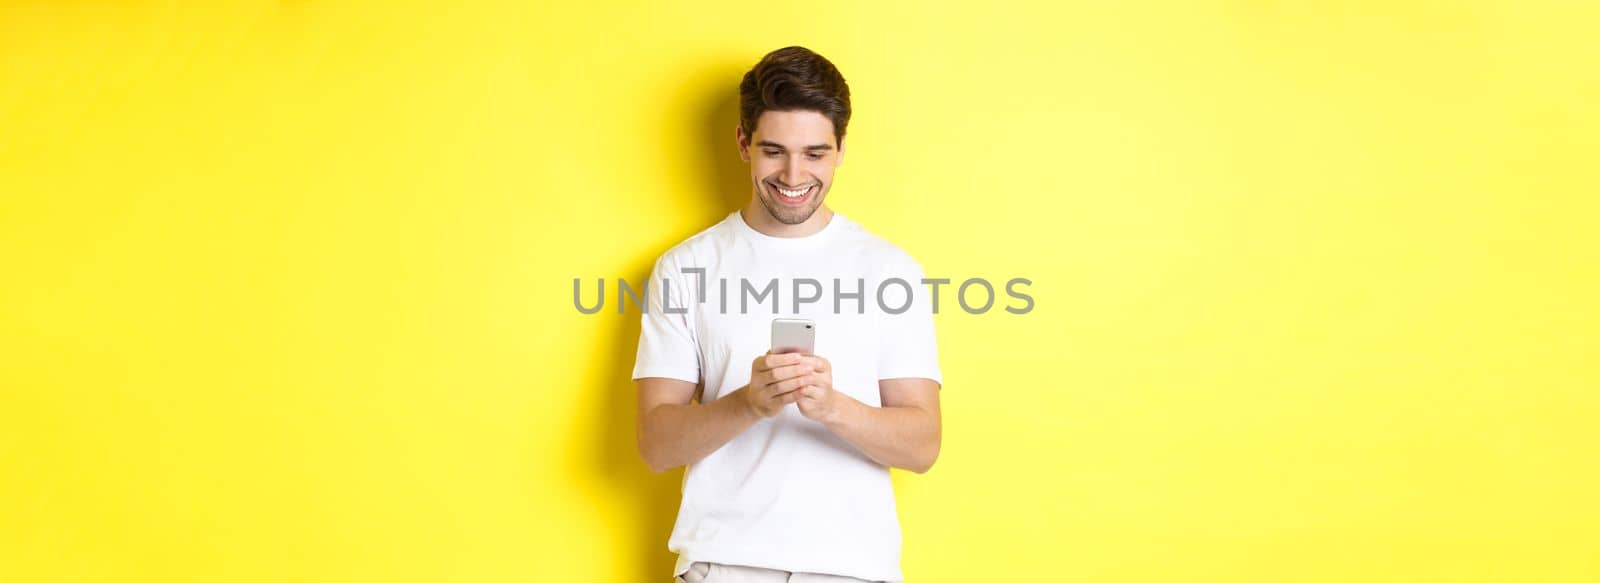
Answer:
[(792, 174)]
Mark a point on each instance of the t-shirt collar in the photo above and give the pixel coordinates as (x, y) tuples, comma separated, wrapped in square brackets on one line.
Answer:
[(766, 240)]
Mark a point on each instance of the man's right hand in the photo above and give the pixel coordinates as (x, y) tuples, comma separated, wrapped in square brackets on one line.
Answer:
[(774, 378)]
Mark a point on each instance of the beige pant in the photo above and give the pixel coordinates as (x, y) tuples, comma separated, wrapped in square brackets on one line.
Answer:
[(703, 572)]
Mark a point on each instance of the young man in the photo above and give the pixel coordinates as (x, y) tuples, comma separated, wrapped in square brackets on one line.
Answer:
[(788, 454)]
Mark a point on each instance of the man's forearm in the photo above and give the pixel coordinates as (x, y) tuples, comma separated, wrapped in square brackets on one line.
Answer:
[(677, 435), (902, 437)]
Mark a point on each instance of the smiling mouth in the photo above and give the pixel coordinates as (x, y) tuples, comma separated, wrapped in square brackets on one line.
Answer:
[(793, 195)]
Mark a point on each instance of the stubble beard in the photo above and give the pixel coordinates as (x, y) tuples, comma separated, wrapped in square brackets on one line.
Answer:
[(790, 215)]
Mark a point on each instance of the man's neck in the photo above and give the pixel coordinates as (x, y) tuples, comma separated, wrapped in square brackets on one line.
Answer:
[(762, 221)]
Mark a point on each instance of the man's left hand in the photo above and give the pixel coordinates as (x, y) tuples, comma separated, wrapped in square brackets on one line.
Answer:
[(817, 398)]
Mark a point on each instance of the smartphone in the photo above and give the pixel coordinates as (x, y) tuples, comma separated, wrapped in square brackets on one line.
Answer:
[(793, 335)]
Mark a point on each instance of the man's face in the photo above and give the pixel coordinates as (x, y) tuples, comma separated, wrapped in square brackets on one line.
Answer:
[(792, 156)]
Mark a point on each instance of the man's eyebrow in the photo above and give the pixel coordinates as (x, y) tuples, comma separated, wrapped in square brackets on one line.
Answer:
[(768, 144)]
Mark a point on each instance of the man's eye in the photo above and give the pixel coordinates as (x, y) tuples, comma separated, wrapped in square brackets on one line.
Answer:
[(815, 156), (772, 152)]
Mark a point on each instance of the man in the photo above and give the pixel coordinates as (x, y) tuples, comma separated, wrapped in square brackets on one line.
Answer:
[(788, 454)]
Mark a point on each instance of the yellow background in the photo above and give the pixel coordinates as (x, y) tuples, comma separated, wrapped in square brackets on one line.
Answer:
[(287, 285)]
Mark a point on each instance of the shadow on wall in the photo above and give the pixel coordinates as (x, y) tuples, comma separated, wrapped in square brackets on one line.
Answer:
[(654, 498)]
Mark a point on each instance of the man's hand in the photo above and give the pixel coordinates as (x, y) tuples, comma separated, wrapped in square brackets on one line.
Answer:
[(775, 380), (818, 400)]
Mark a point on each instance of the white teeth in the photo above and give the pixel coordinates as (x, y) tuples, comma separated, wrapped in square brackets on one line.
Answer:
[(793, 193)]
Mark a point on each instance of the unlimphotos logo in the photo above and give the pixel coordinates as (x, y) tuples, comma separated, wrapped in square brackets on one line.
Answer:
[(893, 295)]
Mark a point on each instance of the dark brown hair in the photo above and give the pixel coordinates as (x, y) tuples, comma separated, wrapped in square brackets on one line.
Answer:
[(794, 79)]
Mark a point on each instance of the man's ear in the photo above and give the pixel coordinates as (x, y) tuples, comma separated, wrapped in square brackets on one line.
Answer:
[(744, 150)]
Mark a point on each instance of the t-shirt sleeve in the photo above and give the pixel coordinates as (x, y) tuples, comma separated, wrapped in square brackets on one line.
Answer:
[(667, 346), (907, 346)]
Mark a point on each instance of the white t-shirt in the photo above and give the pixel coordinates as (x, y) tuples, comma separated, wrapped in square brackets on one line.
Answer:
[(787, 493)]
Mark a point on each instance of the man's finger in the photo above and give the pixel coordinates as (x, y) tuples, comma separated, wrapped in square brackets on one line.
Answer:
[(790, 384), (788, 371), (815, 363), (774, 389), (770, 361), (784, 396)]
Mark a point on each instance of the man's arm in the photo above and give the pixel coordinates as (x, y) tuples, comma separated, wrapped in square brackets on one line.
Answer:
[(674, 431), (903, 433)]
